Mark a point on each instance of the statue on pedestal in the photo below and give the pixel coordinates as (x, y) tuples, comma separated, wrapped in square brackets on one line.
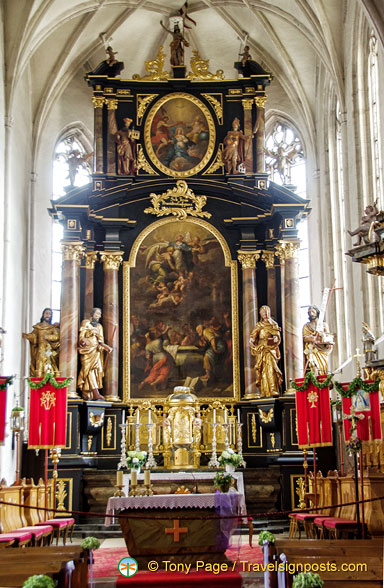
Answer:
[(318, 342), (264, 343), (177, 45), (234, 148), (91, 347), (45, 342), (126, 149)]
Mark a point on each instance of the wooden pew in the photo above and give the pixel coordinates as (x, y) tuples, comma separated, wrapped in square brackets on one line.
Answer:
[(336, 553), (17, 565)]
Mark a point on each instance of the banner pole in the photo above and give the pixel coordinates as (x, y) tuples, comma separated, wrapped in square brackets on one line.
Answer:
[(46, 481)]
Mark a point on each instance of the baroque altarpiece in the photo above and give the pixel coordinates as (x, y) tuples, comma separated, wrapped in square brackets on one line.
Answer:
[(181, 233)]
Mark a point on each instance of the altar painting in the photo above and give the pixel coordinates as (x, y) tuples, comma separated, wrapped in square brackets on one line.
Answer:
[(180, 329), (180, 135)]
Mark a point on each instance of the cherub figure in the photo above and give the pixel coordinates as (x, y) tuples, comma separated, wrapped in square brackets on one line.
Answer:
[(245, 56), (365, 230)]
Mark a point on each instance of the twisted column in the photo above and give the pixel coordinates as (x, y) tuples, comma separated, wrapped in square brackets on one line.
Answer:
[(70, 308), (112, 261), (248, 264)]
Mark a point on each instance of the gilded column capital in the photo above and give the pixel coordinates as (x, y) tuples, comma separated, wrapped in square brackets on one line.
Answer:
[(98, 101), (90, 259), (72, 251), (269, 258), (248, 259), (286, 250), (111, 103), (260, 101), (112, 259), (247, 103)]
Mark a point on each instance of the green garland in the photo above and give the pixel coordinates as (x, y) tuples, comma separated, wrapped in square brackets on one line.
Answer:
[(310, 377), (3, 385), (49, 379), (356, 384)]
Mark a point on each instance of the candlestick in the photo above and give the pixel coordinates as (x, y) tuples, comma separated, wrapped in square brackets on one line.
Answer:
[(225, 415), (123, 417), (151, 462), (133, 478), (123, 458), (137, 416), (214, 415), (119, 478), (149, 416)]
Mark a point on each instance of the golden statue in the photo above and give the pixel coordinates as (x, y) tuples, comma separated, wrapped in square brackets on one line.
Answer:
[(318, 342), (91, 347), (45, 342), (264, 343)]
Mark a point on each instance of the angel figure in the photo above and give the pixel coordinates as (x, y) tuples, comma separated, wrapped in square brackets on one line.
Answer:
[(281, 158), (75, 161)]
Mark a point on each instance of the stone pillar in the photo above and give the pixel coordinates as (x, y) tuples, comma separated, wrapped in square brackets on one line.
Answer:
[(112, 261), (293, 341), (98, 102), (90, 259), (260, 138), (248, 263), (269, 259), (248, 132), (112, 104), (73, 251)]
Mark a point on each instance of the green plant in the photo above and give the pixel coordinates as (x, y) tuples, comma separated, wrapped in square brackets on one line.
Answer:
[(39, 581), (230, 457), (17, 409), (307, 580), (90, 543), (266, 536), (136, 459), (223, 481)]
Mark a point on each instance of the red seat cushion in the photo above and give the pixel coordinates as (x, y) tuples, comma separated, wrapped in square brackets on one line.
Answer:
[(320, 520), (37, 531), (338, 523), (18, 535), (306, 516), (61, 523)]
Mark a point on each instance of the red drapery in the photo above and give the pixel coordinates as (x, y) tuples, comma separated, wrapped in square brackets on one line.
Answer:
[(47, 416), (369, 427), (313, 410)]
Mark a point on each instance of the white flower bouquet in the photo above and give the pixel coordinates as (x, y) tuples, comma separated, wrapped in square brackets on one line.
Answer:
[(136, 459), (230, 457)]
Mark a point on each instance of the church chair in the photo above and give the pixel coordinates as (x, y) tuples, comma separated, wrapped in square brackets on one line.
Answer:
[(345, 522), (60, 525), (305, 517), (17, 539)]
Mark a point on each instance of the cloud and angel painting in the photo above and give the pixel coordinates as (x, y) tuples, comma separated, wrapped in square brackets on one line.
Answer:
[(180, 314)]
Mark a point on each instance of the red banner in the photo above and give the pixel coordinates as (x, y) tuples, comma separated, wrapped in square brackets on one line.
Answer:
[(47, 416), (3, 408), (367, 404), (313, 410)]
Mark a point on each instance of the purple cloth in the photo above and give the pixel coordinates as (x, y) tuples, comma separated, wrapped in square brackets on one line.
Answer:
[(226, 504)]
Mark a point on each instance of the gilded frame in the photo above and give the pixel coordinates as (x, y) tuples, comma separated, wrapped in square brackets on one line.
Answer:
[(211, 139), (131, 263)]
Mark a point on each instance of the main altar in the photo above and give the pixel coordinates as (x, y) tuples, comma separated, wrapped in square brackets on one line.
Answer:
[(180, 240)]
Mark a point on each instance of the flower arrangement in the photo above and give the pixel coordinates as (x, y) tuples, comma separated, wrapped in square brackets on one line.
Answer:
[(353, 446), (90, 543), (223, 481), (230, 457), (39, 581), (136, 459), (266, 536), (307, 580)]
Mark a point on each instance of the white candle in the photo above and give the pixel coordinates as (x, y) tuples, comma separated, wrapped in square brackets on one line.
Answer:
[(214, 415), (149, 416), (238, 415), (123, 417), (138, 416), (147, 477), (133, 477), (225, 416), (119, 478)]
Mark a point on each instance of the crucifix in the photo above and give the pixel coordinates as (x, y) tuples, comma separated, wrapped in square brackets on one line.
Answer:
[(176, 531), (358, 364)]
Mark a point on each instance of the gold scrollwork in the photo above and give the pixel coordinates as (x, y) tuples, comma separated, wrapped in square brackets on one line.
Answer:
[(260, 101), (142, 163), (98, 101), (254, 427), (123, 92), (179, 201), (108, 432), (112, 103), (154, 67), (216, 104), (273, 440), (143, 100), (61, 494), (269, 259), (300, 491), (72, 251), (112, 259), (375, 264), (287, 250), (89, 442), (218, 162), (248, 259), (266, 417), (90, 259), (96, 420), (200, 69)]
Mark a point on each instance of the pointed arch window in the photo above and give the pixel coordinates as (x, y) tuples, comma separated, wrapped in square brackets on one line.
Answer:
[(71, 168)]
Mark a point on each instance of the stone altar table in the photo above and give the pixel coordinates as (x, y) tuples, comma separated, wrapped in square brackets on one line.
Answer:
[(162, 533)]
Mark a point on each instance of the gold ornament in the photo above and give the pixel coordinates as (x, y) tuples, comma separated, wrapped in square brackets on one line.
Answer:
[(313, 397), (260, 101), (200, 69), (112, 260), (179, 202), (142, 163), (143, 100), (266, 417), (248, 259), (254, 427), (111, 103), (218, 162), (72, 251), (96, 420), (247, 103), (61, 494), (154, 67), (90, 259), (108, 433), (269, 259), (216, 104), (98, 101)]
